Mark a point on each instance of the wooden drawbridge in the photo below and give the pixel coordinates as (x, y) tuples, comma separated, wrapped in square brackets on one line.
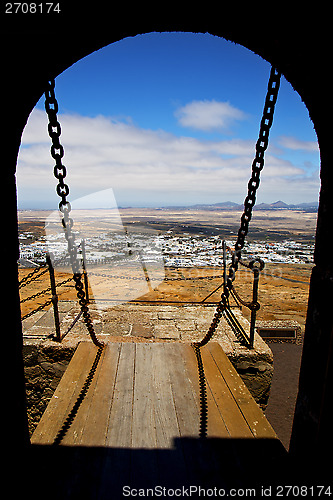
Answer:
[(139, 421)]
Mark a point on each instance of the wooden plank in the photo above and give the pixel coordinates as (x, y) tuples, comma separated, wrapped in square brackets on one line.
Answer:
[(141, 398), (143, 424), (145, 395), (184, 388), (164, 407), (91, 423), (167, 428), (119, 431), (75, 432), (216, 426), (186, 401), (251, 412), (65, 395), (117, 464), (224, 401), (144, 468)]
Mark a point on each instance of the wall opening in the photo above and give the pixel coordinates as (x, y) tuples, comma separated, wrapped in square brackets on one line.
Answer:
[(169, 122)]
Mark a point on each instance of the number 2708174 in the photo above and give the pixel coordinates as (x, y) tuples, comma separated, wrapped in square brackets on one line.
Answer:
[(303, 491), (32, 8)]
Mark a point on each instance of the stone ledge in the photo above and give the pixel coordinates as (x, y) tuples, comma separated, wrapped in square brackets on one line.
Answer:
[(44, 365)]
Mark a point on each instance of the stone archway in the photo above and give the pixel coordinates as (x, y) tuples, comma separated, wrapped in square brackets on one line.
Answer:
[(38, 52)]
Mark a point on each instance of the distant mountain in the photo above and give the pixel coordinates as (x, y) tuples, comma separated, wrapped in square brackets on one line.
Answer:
[(228, 205), (281, 205), (277, 205), (312, 204), (272, 206), (225, 205)]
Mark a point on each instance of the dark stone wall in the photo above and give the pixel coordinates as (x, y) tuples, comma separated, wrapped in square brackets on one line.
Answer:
[(36, 48), (43, 368)]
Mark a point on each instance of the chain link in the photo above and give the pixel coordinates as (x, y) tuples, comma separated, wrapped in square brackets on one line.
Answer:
[(39, 308), (26, 281), (57, 153), (39, 294), (202, 392), (253, 184), (257, 166)]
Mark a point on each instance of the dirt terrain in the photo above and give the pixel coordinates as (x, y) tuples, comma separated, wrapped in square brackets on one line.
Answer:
[(283, 289), (272, 225)]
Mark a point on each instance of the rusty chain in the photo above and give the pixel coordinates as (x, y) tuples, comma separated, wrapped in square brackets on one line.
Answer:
[(57, 153), (26, 280), (32, 276), (49, 289), (249, 202), (39, 308), (62, 189), (202, 393), (39, 294), (257, 166)]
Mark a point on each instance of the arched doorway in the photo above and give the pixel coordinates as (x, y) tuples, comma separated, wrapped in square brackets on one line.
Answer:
[(177, 99), (297, 57)]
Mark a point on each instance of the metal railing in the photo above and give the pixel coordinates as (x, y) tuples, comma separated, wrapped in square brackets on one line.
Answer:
[(256, 266), (246, 338), (38, 273)]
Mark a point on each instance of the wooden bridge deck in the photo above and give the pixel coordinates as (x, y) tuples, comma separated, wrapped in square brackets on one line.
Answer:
[(145, 395), (143, 410)]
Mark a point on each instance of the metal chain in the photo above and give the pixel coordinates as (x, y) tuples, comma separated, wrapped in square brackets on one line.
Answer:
[(253, 184), (33, 276), (250, 305), (38, 294), (257, 166), (35, 295), (220, 308), (57, 153), (202, 393), (121, 277), (192, 278), (39, 308)]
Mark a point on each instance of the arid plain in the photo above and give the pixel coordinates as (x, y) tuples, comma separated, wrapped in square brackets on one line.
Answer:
[(283, 288)]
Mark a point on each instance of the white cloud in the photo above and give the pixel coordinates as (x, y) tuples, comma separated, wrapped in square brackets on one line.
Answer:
[(208, 115), (144, 166), (295, 144), (279, 168)]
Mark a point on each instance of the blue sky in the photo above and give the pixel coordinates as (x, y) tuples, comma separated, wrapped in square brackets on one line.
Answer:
[(169, 119)]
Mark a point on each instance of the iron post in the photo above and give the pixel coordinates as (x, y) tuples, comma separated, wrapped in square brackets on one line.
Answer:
[(85, 276), (54, 298)]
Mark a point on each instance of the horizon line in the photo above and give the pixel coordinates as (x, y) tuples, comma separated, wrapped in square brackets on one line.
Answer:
[(313, 203)]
